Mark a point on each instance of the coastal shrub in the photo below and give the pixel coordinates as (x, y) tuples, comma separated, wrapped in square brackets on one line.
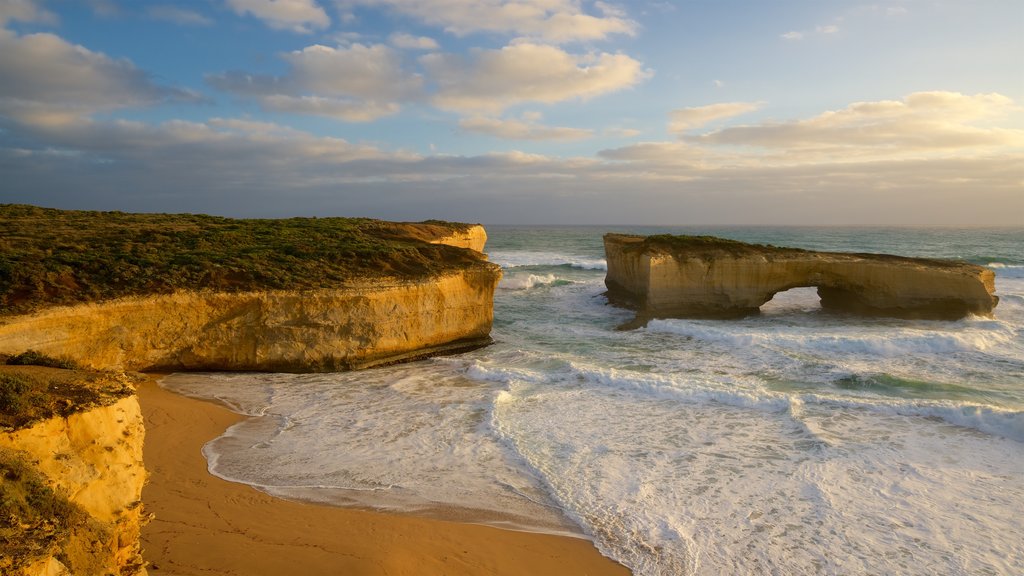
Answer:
[(16, 393), (33, 358), (37, 522), (52, 257)]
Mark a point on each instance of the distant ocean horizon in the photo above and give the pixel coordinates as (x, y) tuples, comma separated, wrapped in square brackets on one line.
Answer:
[(796, 441)]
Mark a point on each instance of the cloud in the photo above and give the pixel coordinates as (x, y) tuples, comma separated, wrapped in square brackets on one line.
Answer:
[(547, 20), (356, 83), (492, 80), (50, 81), (244, 167), (24, 11), (828, 29), (922, 123), (793, 35), (685, 119), (177, 15), (527, 128), (302, 16), (410, 42)]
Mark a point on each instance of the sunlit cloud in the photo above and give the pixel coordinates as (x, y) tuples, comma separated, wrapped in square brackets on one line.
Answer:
[(921, 123), (526, 128), (50, 81), (410, 42), (793, 35), (302, 16), (491, 80), (685, 119), (546, 20), (357, 83)]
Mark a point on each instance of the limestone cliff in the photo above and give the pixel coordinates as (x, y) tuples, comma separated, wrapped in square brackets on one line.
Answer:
[(93, 458), (313, 330), (678, 276), (473, 237)]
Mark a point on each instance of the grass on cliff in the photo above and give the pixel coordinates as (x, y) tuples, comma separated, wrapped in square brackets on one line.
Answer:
[(36, 522), (53, 257), (702, 246), (32, 393)]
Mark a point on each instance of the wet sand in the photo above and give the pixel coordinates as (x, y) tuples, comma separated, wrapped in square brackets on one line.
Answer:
[(205, 525)]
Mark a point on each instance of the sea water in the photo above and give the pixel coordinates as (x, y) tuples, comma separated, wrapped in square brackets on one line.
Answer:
[(793, 442)]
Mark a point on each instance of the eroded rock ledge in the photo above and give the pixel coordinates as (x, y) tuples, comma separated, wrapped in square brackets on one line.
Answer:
[(116, 291), (700, 276), (280, 331)]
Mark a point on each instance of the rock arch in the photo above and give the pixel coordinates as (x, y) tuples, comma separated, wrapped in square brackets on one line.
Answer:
[(699, 276)]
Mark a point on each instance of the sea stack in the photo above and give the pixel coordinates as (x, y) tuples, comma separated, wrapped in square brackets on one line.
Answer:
[(706, 277)]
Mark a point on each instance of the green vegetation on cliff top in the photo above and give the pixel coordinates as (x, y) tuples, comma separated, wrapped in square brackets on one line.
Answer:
[(53, 257)]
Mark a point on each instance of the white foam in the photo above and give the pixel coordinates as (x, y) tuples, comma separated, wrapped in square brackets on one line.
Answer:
[(881, 341), (515, 259), (528, 281)]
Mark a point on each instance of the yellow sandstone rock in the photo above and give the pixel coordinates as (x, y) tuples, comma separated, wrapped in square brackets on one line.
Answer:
[(694, 277), (93, 457), (298, 331)]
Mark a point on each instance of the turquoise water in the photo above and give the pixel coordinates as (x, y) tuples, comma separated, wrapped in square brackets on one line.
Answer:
[(794, 442)]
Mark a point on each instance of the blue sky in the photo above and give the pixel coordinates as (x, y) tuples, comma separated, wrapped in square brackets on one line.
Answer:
[(900, 112)]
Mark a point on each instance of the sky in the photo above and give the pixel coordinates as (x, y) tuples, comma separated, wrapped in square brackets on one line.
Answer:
[(688, 112)]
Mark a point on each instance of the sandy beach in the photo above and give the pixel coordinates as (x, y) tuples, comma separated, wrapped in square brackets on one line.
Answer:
[(205, 525)]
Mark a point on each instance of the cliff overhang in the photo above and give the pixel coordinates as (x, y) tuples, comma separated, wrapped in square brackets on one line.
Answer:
[(706, 277)]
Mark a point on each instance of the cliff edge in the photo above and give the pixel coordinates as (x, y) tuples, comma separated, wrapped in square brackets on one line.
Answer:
[(71, 463), (116, 291), (701, 276)]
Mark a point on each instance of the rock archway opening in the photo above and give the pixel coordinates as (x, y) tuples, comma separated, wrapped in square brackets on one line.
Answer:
[(803, 299)]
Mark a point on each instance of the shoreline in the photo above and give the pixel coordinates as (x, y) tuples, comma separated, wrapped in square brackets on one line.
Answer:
[(205, 524)]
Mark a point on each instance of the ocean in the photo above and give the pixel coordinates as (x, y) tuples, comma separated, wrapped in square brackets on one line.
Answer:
[(793, 442)]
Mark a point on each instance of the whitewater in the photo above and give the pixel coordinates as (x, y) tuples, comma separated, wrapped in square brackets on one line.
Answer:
[(795, 442)]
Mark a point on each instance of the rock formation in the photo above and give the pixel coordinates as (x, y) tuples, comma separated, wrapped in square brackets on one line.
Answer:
[(192, 292), (93, 459), (281, 331), (687, 276)]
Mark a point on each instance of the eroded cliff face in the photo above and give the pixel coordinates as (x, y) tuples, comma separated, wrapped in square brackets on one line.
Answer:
[(297, 331), (474, 238), (713, 282), (93, 457)]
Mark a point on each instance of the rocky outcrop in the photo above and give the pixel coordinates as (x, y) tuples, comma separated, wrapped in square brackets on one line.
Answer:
[(473, 237), (94, 459), (295, 331), (680, 276)]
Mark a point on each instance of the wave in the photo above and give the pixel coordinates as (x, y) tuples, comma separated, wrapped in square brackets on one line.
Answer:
[(526, 282), (517, 259), (1003, 270), (890, 342), (990, 420)]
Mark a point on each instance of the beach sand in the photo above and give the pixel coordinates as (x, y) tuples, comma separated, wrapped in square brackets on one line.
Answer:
[(205, 525)]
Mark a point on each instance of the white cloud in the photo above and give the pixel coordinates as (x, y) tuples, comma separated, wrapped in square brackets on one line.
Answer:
[(25, 11), (240, 166), (527, 128), (689, 118), (492, 80), (547, 20), (50, 81), (177, 15), (357, 83), (922, 123), (828, 29), (296, 15), (410, 42), (793, 35), (343, 109)]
